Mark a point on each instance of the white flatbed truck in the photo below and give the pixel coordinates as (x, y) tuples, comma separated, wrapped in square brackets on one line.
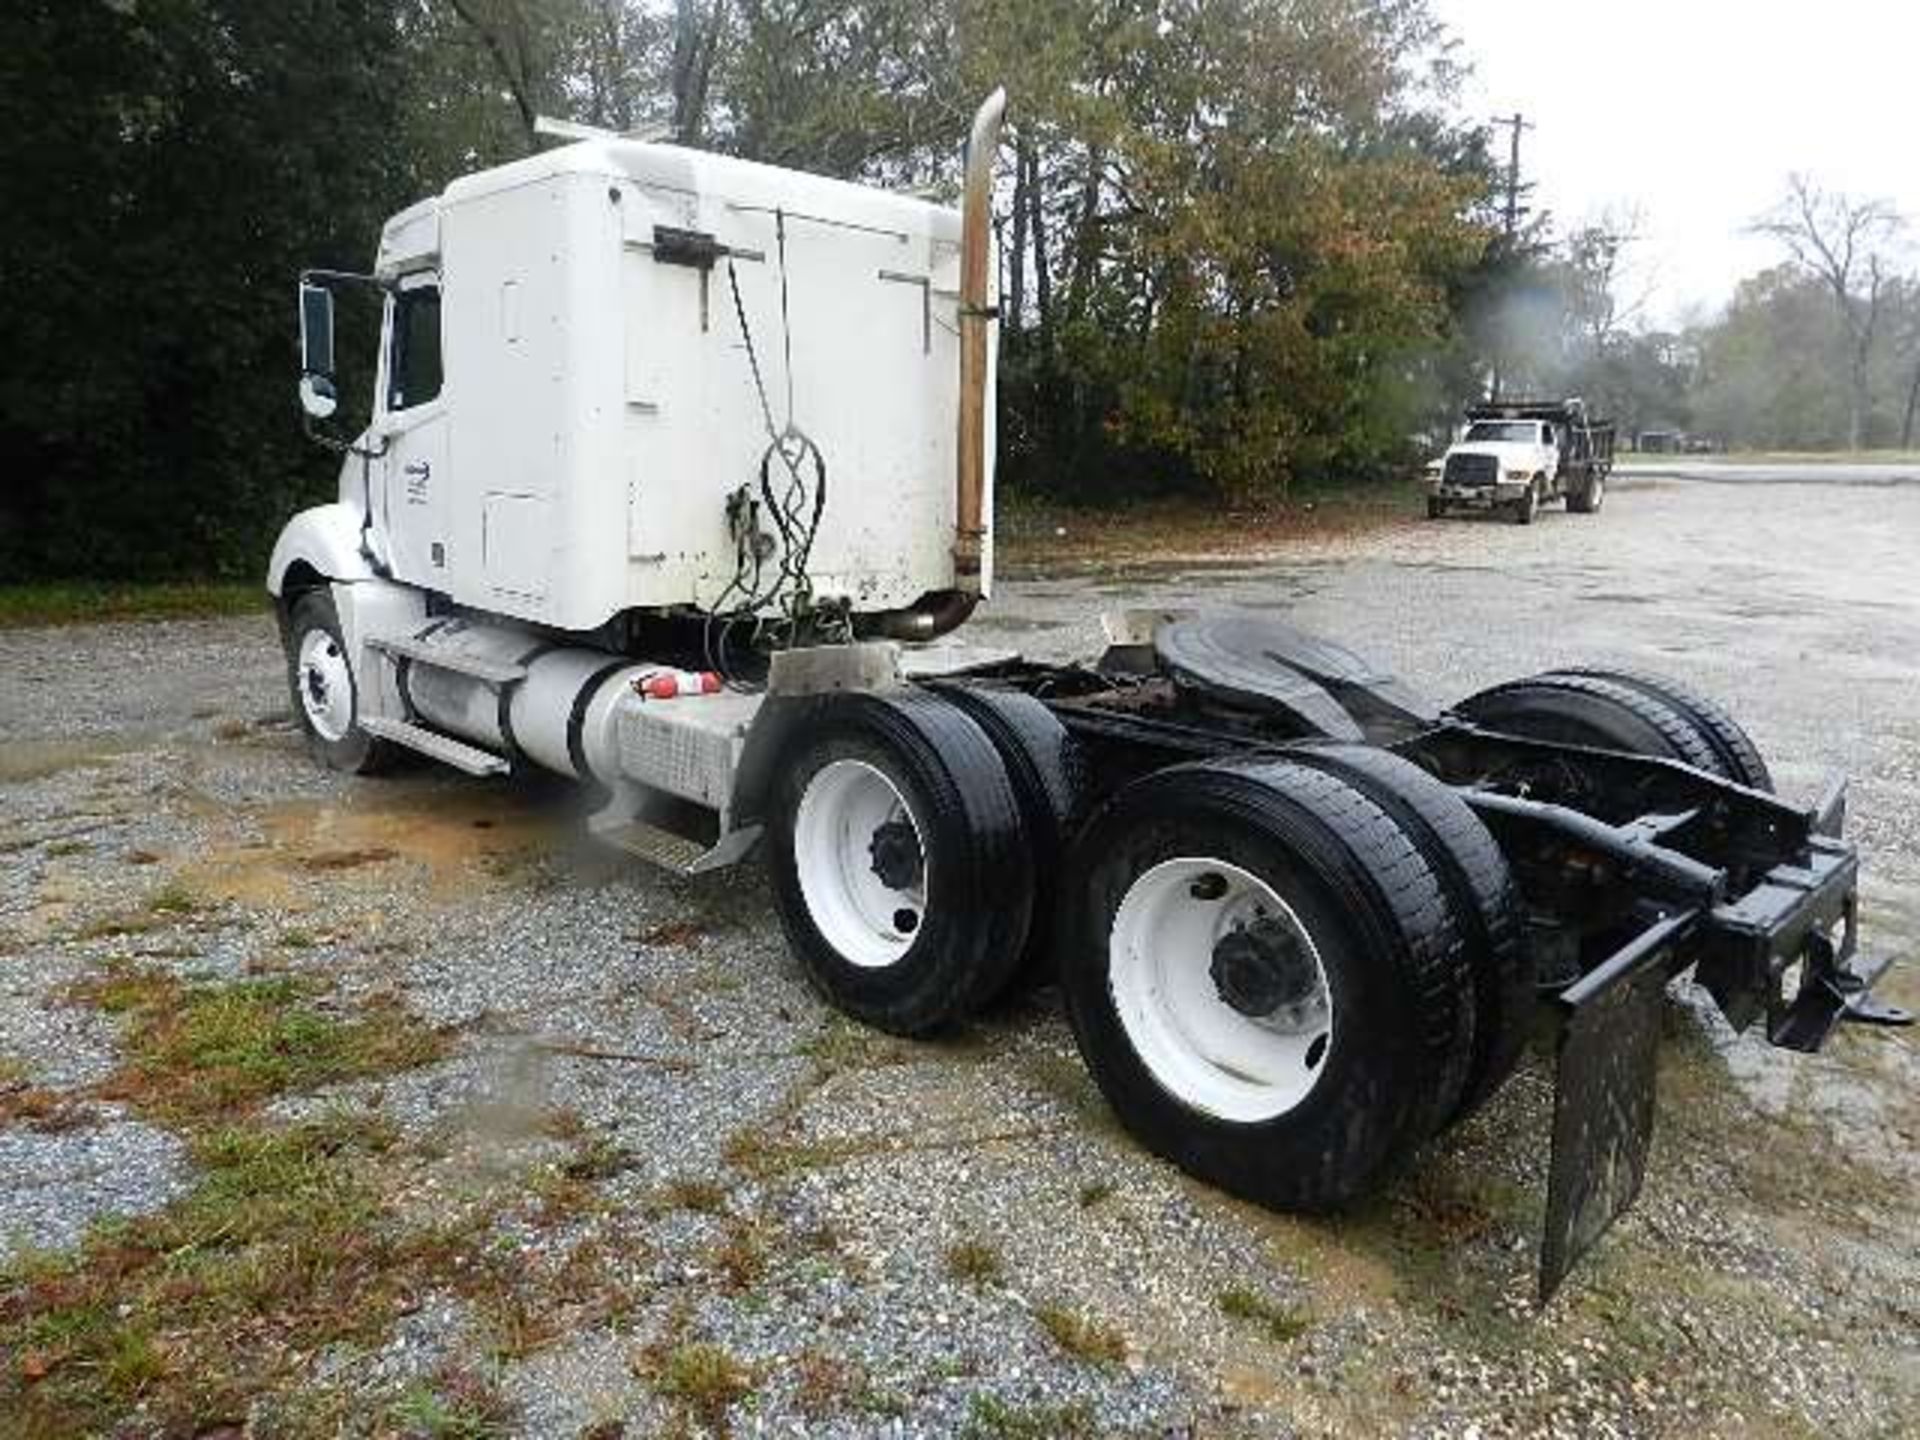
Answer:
[(677, 480), (1516, 455)]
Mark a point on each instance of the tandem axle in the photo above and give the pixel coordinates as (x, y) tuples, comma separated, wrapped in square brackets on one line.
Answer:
[(1303, 920)]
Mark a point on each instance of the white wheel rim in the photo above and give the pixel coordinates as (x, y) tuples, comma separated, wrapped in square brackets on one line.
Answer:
[(848, 808), (326, 685), (1202, 1050)]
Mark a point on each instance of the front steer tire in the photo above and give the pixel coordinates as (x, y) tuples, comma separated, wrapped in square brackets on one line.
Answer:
[(1187, 1052), (325, 690), (899, 862)]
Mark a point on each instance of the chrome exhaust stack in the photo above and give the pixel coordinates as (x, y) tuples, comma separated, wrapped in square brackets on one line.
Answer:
[(975, 316)]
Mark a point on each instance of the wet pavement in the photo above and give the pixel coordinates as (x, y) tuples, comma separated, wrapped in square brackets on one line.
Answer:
[(1767, 1283)]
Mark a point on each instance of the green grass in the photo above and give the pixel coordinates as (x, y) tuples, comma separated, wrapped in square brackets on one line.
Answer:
[(991, 1418), (974, 1262), (706, 1380), (206, 1052), (175, 897), (692, 1192), (1081, 1336), (290, 1240), (1282, 1322), (280, 1236), (79, 602), (456, 1404), (1626, 459)]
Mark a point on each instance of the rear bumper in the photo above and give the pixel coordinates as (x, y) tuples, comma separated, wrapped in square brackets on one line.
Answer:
[(1783, 951)]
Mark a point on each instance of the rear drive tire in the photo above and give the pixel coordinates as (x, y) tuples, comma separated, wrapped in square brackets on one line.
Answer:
[(1740, 759), (1588, 499), (1048, 774), (1263, 974), (325, 690), (1595, 710), (1486, 903), (900, 866)]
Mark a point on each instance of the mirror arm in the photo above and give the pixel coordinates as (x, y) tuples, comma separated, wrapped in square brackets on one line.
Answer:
[(345, 277), (327, 440)]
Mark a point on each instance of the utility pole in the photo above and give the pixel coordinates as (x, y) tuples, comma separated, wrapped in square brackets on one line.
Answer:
[(1513, 124)]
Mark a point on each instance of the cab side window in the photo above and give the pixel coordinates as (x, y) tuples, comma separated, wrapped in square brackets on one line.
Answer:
[(414, 374)]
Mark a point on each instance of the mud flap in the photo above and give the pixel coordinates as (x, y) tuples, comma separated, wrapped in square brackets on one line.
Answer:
[(1603, 1098)]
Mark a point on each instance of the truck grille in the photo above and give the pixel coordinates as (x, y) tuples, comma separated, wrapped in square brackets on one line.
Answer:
[(1472, 470)]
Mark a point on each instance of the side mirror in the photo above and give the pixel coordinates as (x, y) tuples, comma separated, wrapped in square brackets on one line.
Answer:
[(317, 395)]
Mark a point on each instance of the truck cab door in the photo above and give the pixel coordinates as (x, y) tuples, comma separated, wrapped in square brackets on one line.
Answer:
[(410, 505)]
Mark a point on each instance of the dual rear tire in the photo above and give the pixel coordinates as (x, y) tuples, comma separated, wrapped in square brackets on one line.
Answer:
[(1285, 972), (916, 836), (1629, 710)]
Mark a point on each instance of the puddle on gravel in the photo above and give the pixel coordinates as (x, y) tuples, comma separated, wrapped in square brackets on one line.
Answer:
[(444, 830)]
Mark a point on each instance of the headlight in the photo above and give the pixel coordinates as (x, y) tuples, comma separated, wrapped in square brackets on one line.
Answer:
[(1518, 474)]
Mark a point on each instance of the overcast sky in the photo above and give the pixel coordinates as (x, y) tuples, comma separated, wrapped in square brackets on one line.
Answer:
[(1696, 110)]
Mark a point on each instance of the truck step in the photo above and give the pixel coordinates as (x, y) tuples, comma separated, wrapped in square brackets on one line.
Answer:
[(650, 842), (443, 748), (407, 647)]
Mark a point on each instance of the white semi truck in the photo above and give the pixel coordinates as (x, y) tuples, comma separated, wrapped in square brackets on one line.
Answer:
[(679, 474)]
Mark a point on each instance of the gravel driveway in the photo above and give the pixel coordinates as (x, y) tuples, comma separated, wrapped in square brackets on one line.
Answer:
[(954, 1237)]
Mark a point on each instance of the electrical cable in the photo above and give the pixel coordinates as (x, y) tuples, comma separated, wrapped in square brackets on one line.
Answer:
[(794, 507)]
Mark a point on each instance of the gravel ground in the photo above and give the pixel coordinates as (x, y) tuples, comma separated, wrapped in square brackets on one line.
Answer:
[(1767, 1282)]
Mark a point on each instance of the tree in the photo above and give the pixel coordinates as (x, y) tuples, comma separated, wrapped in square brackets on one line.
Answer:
[(1239, 236), (1840, 241), (165, 171), (1765, 379)]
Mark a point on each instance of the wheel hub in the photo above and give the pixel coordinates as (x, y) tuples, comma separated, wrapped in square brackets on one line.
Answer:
[(861, 863), (1220, 988), (1262, 968), (325, 685), (895, 852)]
